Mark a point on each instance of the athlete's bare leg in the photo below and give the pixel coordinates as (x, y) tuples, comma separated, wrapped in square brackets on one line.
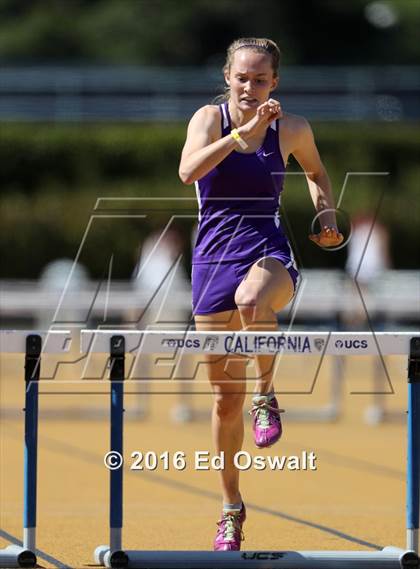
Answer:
[(227, 375), (265, 290)]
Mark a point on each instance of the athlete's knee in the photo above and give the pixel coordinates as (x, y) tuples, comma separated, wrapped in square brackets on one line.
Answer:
[(249, 299), (252, 305), (228, 406)]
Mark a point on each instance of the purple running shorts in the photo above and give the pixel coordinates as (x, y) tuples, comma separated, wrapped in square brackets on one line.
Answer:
[(214, 284)]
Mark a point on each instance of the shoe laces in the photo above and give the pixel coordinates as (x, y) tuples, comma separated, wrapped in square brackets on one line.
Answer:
[(262, 413), (230, 524)]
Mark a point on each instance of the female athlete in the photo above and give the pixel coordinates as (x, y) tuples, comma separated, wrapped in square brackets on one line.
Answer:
[(243, 271)]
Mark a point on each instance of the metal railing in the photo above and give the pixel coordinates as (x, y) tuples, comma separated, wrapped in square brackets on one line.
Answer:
[(130, 93), (394, 295)]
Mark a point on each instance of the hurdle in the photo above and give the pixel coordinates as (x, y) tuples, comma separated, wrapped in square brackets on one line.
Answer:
[(33, 344), (118, 343)]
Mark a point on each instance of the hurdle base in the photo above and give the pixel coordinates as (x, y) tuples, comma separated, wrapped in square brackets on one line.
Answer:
[(387, 558), (17, 556), (376, 414), (116, 559)]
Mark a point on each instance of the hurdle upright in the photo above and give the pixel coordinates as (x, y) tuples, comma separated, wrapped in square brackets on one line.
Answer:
[(117, 343), (33, 344)]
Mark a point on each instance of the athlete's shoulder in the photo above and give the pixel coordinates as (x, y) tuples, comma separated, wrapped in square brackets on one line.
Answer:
[(206, 119), (295, 124), (208, 113), (295, 132)]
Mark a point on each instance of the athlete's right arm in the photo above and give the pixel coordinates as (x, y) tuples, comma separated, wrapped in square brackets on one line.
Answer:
[(203, 150)]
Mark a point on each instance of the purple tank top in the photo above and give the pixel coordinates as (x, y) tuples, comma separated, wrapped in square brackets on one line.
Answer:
[(238, 202)]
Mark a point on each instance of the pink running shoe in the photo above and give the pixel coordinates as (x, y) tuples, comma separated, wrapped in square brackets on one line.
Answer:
[(266, 421), (229, 532)]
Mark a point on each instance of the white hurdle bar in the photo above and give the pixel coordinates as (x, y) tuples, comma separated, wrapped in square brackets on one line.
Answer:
[(117, 343), (52, 341), (250, 343), (33, 344)]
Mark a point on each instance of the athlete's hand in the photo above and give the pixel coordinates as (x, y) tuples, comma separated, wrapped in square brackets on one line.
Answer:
[(266, 113), (328, 237)]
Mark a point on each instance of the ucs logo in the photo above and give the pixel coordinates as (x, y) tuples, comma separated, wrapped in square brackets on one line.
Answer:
[(263, 555), (175, 343), (355, 344)]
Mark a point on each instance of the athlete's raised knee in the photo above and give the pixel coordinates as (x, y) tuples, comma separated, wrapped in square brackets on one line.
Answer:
[(251, 304)]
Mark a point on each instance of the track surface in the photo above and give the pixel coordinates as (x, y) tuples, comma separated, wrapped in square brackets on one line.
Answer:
[(354, 500)]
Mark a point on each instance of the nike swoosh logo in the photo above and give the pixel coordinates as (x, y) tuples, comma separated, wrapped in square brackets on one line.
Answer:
[(267, 154)]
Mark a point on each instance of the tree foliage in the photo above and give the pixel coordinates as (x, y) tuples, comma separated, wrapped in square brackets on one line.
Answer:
[(197, 32)]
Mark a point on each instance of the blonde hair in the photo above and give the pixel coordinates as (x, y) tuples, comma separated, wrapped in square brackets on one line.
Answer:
[(259, 45)]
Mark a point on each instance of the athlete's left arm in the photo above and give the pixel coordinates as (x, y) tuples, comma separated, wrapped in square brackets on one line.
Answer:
[(306, 153)]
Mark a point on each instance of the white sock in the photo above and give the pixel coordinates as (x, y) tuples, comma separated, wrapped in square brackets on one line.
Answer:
[(263, 397), (236, 508)]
